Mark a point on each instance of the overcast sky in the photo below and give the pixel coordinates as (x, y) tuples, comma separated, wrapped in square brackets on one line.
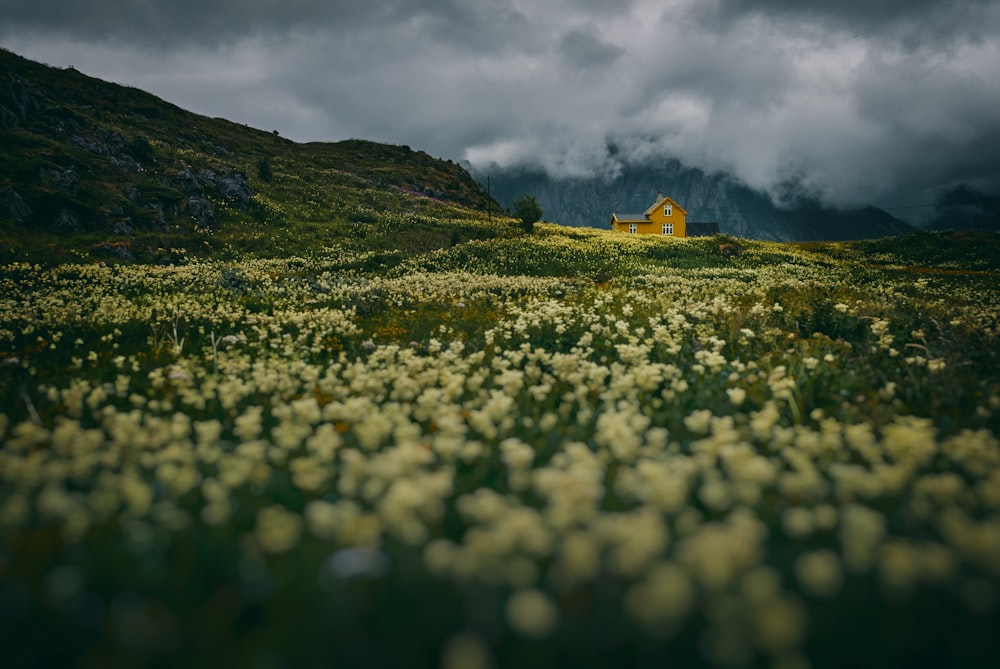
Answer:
[(879, 101)]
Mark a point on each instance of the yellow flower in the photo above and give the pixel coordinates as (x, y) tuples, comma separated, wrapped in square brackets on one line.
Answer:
[(532, 613)]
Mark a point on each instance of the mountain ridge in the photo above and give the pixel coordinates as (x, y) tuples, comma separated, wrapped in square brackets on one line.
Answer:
[(717, 197)]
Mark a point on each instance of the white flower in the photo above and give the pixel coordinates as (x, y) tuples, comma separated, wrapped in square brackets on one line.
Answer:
[(532, 613), (277, 529), (819, 573), (736, 396)]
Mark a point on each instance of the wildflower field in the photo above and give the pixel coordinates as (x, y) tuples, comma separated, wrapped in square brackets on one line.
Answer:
[(575, 448)]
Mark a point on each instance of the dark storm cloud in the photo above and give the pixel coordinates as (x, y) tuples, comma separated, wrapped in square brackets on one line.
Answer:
[(182, 23), (913, 24), (583, 48), (196, 20), (858, 100), (857, 13)]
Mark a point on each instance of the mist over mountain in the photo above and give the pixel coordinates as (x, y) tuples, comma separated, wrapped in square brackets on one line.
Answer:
[(717, 197), (965, 208)]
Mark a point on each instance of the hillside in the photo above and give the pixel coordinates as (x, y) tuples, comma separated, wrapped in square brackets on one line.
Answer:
[(739, 210), (92, 168)]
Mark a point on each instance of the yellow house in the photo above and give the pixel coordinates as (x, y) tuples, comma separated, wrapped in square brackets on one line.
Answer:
[(665, 217)]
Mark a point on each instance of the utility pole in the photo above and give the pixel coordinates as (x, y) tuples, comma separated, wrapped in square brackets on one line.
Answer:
[(489, 199)]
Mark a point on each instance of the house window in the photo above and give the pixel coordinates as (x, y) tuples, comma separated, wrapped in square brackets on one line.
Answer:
[(668, 210), (668, 228), (633, 228)]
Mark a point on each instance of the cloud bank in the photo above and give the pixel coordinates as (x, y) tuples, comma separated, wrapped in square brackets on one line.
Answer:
[(855, 101)]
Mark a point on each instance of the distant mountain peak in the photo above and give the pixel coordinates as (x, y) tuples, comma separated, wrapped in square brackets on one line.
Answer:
[(718, 197)]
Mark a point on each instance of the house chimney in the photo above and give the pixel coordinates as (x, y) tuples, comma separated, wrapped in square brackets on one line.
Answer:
[(659, 196)]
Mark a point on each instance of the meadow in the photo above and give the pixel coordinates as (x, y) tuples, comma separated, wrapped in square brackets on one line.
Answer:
[(576, 447)]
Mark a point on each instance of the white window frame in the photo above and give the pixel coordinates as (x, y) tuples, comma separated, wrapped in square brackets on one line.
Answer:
[(668, 210), (668, 228), (633, 228)]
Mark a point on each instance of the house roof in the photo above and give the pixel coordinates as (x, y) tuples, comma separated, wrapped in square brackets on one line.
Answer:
[(627, 218), (666, 200)]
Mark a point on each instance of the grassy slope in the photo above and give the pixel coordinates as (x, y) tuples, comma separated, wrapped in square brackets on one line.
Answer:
[(319, 194)]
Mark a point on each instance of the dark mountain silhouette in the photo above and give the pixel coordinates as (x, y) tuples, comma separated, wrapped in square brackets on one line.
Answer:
[(738, 209), (965, 208)]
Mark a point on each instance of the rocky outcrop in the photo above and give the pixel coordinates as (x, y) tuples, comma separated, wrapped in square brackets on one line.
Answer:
[(192, 182), (66, 181), (156, 221), (67, 223), (234, 189), (97, 146), (10, 200), (200, 210), (18, 100), (231, 187), (122, 250), (116, 219)]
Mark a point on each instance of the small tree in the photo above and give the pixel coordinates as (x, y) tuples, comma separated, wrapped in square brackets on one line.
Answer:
[(528, 210), (264, 170)]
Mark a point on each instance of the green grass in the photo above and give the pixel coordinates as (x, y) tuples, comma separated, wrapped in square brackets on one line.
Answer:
[(575, 447)]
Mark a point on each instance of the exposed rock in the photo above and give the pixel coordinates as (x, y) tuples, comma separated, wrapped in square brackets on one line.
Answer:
[(18, 100), (195, 183), (188, 183), (122, 226), (112, 210), (115, 218), (8, 119), (157, 222), (66, 181), (92, 145), (126, 162), (132, 193), (66, 222), (234, 189), (20, 211), (61, 121), (109, 146), (201, 211), (121, 250)]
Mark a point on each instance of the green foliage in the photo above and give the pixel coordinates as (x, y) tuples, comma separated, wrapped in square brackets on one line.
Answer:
[(528, 211), (141, 149), (264, 170)]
